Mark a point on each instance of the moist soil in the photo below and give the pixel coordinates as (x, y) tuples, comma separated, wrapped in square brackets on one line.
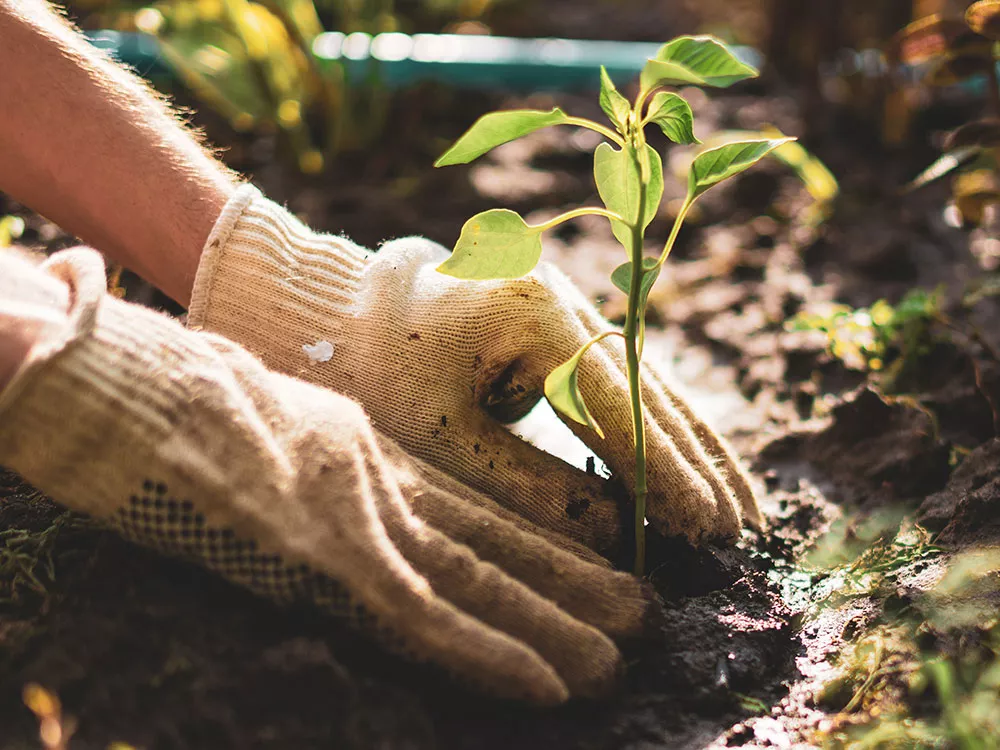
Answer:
[(160, 654)]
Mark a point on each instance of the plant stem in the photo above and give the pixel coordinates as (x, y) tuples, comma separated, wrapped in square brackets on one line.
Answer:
[(674, 230), (574, 214), (583, 122), (638, 422), (633, 320)]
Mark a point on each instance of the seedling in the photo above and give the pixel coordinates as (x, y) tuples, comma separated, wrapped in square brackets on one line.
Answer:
[(499, 244), (883, 338)]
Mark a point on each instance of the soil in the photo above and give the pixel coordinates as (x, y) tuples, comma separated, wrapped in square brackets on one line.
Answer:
[(160, 654)]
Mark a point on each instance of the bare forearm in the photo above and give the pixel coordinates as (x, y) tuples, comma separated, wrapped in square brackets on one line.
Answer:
[(84, 142)]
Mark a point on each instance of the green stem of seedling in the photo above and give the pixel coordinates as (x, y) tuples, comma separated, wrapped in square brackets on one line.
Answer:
[(633, 321), (640, 103), (638, 423), (575, 214), (674, 230), (583, 122)]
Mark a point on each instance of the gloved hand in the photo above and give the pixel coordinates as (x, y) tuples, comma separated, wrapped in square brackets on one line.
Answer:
[(184, 442), (438, 362)]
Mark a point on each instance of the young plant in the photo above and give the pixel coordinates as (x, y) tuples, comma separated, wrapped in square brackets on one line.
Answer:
[(883, 338), (499, 244)]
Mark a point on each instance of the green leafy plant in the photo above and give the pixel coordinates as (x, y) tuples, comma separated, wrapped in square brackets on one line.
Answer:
[(902, 695), (883, 338), (499, 244), (252, 63)]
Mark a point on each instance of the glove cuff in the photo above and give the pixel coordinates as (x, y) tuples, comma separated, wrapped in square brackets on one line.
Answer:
[(262, 271), (94, 388)]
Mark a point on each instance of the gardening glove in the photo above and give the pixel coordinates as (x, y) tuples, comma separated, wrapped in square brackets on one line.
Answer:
[(438, 362), (186, 443)]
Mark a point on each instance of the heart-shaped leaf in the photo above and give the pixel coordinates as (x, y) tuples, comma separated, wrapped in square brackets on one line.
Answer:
[(617, 176), (563, 392), (984, 18), (615, 106), (699, 60), (494, 244), (717, 164), (621, 277), (495, 129), (673, 114)]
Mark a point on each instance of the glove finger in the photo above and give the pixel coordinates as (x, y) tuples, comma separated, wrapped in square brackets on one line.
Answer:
[(583, 657), (541, 487), (618, 604), (718, 450), (413, 615), (425, 475)]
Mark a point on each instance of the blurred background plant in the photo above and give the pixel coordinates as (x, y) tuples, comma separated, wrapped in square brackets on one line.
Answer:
[(884, 338), (253, 64), (11, 228), (928, 675), (946, 50), (887, 64)]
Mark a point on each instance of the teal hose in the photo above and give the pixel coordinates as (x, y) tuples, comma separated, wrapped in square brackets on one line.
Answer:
[(477, 62), (466, 61)]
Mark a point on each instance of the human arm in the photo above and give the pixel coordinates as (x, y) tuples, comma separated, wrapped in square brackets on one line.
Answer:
[(89, 145)]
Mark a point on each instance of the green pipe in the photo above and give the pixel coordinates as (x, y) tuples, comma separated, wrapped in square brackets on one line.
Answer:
[(466, 61)]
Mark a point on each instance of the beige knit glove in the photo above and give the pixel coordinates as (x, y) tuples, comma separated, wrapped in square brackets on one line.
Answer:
[(184, 442), (435, 360)]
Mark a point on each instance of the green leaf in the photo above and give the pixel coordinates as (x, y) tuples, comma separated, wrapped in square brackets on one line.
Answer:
[(818, 180), (699, 60), (497, 128), (494, 244), (563, 392), (617, 178), (621, 277), (660, 73), (673, 114), (717, 164), (615, 106)]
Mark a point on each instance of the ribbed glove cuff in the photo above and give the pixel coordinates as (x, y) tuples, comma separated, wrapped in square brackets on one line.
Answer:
[(92, 387), (262, 270)]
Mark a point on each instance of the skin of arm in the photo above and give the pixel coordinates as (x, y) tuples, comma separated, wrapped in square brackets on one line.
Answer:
[(89, 145)]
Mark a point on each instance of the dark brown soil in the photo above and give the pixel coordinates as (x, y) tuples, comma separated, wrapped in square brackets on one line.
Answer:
[(161, 654)]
